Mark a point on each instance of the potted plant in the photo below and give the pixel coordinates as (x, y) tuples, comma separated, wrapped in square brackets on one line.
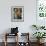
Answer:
[(39, 35)]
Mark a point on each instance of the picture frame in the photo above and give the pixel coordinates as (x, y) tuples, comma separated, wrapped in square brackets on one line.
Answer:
[(17, 13), (41, 8), (41, 12)]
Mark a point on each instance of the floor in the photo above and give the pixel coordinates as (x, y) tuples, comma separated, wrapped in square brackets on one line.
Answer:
[(13, 44)]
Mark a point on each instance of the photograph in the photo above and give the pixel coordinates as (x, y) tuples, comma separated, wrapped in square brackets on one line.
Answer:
[(17, 13)]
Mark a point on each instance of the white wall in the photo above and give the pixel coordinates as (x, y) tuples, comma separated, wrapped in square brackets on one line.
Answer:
[(29, 15)]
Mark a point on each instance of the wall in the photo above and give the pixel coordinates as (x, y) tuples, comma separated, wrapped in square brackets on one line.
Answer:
[(29, 15)]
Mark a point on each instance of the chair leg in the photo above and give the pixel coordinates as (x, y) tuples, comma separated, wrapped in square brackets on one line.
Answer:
[(5, 43), (17, 39), (5, 40)]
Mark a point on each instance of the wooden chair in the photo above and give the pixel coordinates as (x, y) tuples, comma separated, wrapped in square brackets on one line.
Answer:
[(27, 43), (8, 34)]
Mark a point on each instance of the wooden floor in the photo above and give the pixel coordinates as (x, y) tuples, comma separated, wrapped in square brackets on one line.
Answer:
[(13, 44)]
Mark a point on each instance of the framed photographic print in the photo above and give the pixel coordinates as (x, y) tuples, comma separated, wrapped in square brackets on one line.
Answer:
[(41, 8), (41, 12), (17, 13)]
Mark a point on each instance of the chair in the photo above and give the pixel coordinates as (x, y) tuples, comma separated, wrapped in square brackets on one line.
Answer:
[(26, 37), (14, 32), (7, 35)]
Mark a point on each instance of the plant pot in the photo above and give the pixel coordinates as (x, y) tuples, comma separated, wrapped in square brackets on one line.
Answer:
[(40, 41)]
